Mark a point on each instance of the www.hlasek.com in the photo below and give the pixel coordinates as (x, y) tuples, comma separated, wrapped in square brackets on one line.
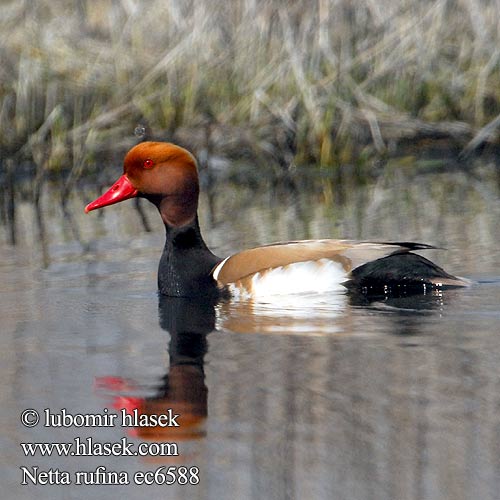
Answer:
[(89, 447)]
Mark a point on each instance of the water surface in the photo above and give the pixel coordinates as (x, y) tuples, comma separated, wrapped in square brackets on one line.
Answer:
[(323, 397)]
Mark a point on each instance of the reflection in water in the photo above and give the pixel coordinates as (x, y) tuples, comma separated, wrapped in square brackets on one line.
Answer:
[(328, 313), (400, 404), (407, 310), (182, 390), (312, 313)]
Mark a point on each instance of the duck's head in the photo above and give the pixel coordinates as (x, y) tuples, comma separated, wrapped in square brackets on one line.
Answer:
[(163, 173)]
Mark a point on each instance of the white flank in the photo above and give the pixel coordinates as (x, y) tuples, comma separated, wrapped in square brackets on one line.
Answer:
[(217, 269), (299, 278)]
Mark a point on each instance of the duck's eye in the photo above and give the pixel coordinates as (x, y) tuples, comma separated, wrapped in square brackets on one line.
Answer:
[(148, 163)]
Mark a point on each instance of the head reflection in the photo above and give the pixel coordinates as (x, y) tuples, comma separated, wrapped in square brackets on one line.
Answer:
[(182, 390)]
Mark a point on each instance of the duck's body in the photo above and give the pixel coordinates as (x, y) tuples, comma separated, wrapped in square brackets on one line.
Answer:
[(166, 175), (331, 265)]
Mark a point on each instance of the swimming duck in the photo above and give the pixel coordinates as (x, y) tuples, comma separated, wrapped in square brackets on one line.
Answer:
[(166, 175)]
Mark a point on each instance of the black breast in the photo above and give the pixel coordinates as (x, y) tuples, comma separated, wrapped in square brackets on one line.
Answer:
[(186, 264)]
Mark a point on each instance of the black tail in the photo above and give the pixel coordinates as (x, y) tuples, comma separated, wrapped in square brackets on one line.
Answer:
[(410, 245), (401, 273)]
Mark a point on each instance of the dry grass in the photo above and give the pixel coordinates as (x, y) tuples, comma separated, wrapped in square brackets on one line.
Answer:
[(325, 80)]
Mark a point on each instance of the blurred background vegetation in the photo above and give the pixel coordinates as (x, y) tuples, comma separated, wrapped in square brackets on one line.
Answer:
[(281, 82)]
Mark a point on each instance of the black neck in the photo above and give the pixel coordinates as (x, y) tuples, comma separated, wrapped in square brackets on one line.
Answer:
[(186, 263)]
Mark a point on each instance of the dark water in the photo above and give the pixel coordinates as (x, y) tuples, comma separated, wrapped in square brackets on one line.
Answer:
[(322, 397)]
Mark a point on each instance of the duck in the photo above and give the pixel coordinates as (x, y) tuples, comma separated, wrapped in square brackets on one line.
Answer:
[(167, 175)]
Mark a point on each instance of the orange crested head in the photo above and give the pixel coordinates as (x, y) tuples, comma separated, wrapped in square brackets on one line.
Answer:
[(162, 172)]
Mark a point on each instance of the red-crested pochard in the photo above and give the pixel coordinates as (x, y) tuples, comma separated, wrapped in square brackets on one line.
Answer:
[(166, 175)]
